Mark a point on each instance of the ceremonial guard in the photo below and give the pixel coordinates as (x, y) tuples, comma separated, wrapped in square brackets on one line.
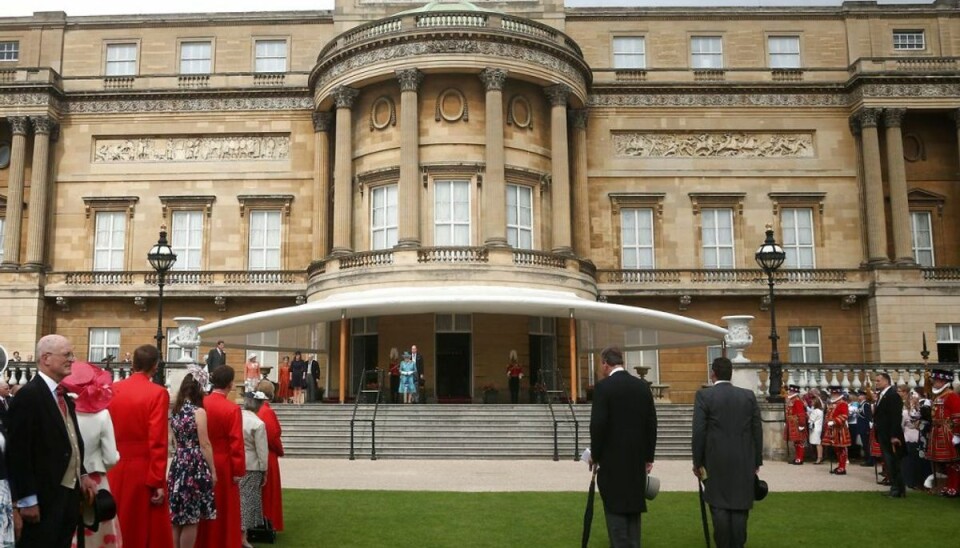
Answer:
[(796, 413), (836, 433), (945, 433)]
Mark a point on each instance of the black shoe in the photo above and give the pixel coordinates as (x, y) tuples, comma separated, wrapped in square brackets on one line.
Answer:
[(866, 464), (895, 495)]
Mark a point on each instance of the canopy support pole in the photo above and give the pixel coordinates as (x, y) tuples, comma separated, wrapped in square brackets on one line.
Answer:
[(343, 356), (573, 358)]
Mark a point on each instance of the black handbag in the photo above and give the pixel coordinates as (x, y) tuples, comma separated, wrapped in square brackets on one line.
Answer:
[(264, 533)]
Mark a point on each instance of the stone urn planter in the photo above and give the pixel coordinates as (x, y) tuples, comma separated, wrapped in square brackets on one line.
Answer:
[(738, 336)]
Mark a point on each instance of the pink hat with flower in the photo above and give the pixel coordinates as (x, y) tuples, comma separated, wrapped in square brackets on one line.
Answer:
[(93, 387)]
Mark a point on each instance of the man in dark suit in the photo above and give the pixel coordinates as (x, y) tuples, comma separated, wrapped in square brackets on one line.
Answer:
[(417, 358), (312, 377), (727, 452), (216, 357), (623, 439), (888, 421), (45, 452)]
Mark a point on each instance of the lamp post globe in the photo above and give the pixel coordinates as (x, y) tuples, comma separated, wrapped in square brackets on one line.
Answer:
[(161, 257), (770, 257)]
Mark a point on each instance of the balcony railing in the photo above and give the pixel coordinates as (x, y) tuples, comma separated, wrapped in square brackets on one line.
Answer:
[(453, 255), (941, 273), (23, 372), (137, 282), (728, 276), (849, 376)]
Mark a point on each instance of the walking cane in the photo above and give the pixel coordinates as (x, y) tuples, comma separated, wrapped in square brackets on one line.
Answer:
[(588, 512), (703, 515)]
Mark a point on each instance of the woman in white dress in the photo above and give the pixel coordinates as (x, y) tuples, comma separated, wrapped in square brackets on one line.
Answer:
[(815, 421)]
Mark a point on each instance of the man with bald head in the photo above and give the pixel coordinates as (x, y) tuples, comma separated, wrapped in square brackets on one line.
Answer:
[(45, 451)]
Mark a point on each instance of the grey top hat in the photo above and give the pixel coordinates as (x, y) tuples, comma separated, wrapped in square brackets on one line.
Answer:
[(653, 488)]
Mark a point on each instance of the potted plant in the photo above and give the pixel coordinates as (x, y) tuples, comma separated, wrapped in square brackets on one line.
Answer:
[(490, 393), (540, 393)]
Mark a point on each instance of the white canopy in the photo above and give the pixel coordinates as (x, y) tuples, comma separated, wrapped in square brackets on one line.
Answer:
[(659, 329)]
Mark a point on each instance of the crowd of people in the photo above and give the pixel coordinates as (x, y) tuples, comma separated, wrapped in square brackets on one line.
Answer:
[(85, 459), (913, 434)]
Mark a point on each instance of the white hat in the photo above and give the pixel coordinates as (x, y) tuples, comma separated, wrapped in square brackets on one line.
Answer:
[(258, 395), (252, 357)]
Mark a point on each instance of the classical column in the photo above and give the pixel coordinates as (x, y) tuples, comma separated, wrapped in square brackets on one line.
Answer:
[(39, 191), (322, 122), (897, 179), (408, 189), (873, 186), (581, 199), (494, 182), (343, 97), (560, 170), (14, 221)]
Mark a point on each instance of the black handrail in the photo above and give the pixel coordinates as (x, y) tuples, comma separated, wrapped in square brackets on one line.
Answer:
[(364, 380), (556, 421)]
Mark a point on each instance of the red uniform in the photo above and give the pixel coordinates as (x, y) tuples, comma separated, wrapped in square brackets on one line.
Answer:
[(940, 447), (837, 435), (796, 431), (139, 413), (224, 425), (272, 499)]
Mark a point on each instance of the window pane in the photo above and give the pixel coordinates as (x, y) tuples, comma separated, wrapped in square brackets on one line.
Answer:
[(271, 56), (121, 59), (195, 57), (264, 237), (629, 53), (9, 51), (109, 240)]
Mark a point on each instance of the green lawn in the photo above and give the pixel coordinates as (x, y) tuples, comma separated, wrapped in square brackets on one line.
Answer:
[(335, 519)]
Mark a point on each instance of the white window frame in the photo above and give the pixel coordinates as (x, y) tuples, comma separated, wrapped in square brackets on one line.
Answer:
[(186, 239), (783, 51), (451, 230), (9, 51), (798, 240), (805, 344), (384, 216), (706, 52), (629, 52), (711, 249), (265, 59), (261, 248), (909, 40), (636, 358), (948, 333), (199, 62), (928, 259), (637, 249), (121, 59), (520, 216), (109, 241), (101, 342)]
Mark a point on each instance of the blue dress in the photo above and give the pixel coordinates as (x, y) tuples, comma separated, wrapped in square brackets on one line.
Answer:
[(190, 483), (408, 374)]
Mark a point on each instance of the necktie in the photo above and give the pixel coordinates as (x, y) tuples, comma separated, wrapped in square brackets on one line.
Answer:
[(61, 401)]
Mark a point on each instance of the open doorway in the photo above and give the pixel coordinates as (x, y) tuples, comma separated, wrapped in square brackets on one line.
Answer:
[(363, 350), (454, 358)]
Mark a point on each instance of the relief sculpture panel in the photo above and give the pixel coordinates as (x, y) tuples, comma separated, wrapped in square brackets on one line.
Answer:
[(718, 144), (199, 148)]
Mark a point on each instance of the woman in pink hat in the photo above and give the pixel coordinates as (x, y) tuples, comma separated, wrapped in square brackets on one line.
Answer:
[(93, 388)]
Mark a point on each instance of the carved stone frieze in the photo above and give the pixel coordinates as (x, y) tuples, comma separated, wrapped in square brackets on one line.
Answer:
[(493, 78), (27, 99), (201, 148), (909, 90), (719, 144), (189, 104), (718, 100), (513, 52), (410, 79)]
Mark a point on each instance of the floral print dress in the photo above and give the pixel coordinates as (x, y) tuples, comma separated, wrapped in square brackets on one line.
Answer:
[(190, 483)]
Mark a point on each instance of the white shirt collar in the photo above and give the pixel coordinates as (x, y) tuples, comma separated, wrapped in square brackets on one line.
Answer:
[(721, 382), (616, 369), (51, 384), (884, 391)]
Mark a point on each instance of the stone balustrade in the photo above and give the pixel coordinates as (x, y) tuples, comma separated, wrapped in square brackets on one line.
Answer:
[(19, 373), (856, 376)]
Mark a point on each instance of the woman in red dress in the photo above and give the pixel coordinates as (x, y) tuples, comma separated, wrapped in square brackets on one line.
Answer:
[(272, 499), (283, 381)]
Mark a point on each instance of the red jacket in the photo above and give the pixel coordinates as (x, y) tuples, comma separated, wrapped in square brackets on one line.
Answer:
[(225, 428), (272, 498), (139, 413)]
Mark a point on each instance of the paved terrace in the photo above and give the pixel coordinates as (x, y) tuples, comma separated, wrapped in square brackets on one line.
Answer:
[(536, 475)]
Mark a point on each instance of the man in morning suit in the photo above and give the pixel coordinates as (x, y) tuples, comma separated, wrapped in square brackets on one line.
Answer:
[(727, 452), (623, 438), (45, 452), (216, 357), (888, 420), (417, 358)]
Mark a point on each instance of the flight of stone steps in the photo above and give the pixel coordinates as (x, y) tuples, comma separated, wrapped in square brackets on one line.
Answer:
[(471, 431)]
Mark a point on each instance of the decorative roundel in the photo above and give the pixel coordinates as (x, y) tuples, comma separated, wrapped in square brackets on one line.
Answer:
[(383, 113), (4, 155), (521, 114), (913, 148), (452, 106)]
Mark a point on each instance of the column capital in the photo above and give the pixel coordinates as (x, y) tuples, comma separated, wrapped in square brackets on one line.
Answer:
[(322, 121), (493, 78), (20, 124), (410, 79), (578, 118), (893, 117), (43, 125), (869, 117), (344, 96), (557, 94), (854, 121)]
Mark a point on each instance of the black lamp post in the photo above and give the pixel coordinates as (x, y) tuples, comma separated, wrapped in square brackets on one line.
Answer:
[(770, 256), (161, 258)]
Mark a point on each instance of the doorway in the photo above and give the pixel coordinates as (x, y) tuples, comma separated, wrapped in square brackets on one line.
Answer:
[(454, 367), (363, 350)]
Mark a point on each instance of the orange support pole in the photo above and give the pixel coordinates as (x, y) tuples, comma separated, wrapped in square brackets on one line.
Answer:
[(573, 358), (343, 357)]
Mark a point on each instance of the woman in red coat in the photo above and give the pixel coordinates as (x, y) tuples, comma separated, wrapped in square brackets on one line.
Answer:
[(139, 413), (272, 499), (224, 427)]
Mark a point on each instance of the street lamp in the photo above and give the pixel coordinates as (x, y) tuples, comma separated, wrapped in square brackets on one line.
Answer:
[(770, 256), (161, 258)]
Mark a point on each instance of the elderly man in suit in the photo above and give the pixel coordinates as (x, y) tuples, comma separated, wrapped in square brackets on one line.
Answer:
[(623, 439), (888, 420), (216, 357), (45, 451), (727, 452)]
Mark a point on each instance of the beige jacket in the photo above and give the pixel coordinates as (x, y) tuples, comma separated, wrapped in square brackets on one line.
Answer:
[(99, 444), (254, 442)]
